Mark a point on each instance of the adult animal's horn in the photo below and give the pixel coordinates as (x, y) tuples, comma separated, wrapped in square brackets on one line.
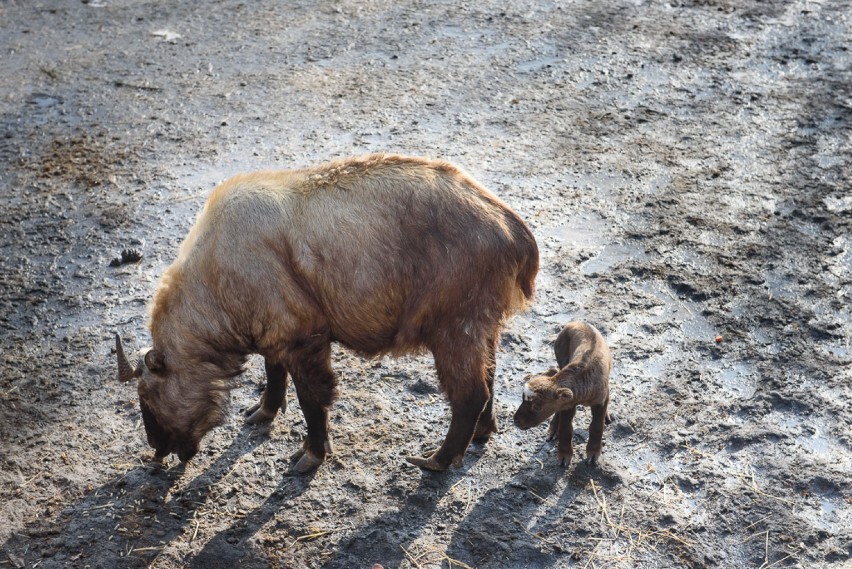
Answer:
[(126, 370)]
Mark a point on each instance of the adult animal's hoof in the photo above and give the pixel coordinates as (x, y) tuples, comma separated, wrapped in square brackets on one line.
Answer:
[(307, 462), (484, 430), (257, 415), (430, 462), (426, 463)]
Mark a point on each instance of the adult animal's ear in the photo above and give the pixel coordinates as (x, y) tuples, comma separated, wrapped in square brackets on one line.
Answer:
[(564, 394), (155, 361)]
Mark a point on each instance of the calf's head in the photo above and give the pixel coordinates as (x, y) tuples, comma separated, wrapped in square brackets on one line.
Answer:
[(176, 415), (541, 399)]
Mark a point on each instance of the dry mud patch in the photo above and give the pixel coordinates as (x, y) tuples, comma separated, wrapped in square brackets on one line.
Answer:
[(684, 166)]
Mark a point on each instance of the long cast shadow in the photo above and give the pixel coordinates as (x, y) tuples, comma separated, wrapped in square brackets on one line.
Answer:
[(387, 537), (127, 521), (498, 532), (230, 547)]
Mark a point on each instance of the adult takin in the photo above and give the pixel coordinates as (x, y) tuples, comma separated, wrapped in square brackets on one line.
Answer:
[(383, 254), (585, 363)]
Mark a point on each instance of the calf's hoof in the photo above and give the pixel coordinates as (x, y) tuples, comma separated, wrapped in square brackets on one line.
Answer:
[(593, 456)]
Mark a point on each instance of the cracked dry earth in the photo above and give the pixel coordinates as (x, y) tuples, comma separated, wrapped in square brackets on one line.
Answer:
[(684, 166)]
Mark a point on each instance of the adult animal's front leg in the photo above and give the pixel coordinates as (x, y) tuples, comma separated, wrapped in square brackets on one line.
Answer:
[(316, 389), (274, 397)]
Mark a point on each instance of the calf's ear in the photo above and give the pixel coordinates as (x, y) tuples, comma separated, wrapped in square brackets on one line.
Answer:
[(155, 361), (551, 372), (564, 394)]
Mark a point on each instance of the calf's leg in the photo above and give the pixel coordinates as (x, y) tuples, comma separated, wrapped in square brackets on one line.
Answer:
[(595, 444), (553, 428), (274, 397), (565, 436)]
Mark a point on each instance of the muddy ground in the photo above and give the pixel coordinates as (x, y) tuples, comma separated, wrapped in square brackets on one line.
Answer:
[(684, 165)]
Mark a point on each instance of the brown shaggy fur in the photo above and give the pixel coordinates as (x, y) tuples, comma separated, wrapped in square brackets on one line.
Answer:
[(583, 379), (383, 254)]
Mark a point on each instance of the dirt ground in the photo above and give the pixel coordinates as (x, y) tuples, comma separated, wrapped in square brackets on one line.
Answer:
[(684, 165)]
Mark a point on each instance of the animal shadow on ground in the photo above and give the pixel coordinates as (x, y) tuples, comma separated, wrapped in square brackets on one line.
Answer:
[(388, 536), (232, 547), (498, 531), (139, 509)]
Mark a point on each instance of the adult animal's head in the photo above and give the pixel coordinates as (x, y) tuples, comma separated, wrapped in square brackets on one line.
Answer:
[(177, 408)]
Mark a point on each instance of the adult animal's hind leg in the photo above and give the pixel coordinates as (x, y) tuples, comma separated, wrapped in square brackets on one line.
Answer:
[(595, 444), (274, 397), (462, 374), (316, 389), (487, 423)]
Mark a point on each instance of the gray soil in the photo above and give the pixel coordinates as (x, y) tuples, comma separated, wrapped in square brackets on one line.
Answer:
[(684, 165)]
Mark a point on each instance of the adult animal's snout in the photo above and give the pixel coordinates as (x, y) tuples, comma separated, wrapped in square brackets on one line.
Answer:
[(187, 453)]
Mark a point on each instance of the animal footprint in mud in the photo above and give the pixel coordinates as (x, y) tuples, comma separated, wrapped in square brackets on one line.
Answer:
[(127, 256)]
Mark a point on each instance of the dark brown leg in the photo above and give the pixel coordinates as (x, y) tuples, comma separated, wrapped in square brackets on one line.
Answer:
[(595, 444), (553, 429), (316, 389), (565, 444), (274, 397), (487, 423), (462, 374)]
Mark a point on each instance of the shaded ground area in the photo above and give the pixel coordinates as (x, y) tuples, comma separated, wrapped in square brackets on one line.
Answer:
[(684, 166)]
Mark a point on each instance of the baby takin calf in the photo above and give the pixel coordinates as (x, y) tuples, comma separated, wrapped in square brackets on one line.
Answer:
[(583, 379)]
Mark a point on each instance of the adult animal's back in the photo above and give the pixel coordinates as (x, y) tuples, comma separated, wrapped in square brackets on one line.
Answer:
[(386, 250)]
